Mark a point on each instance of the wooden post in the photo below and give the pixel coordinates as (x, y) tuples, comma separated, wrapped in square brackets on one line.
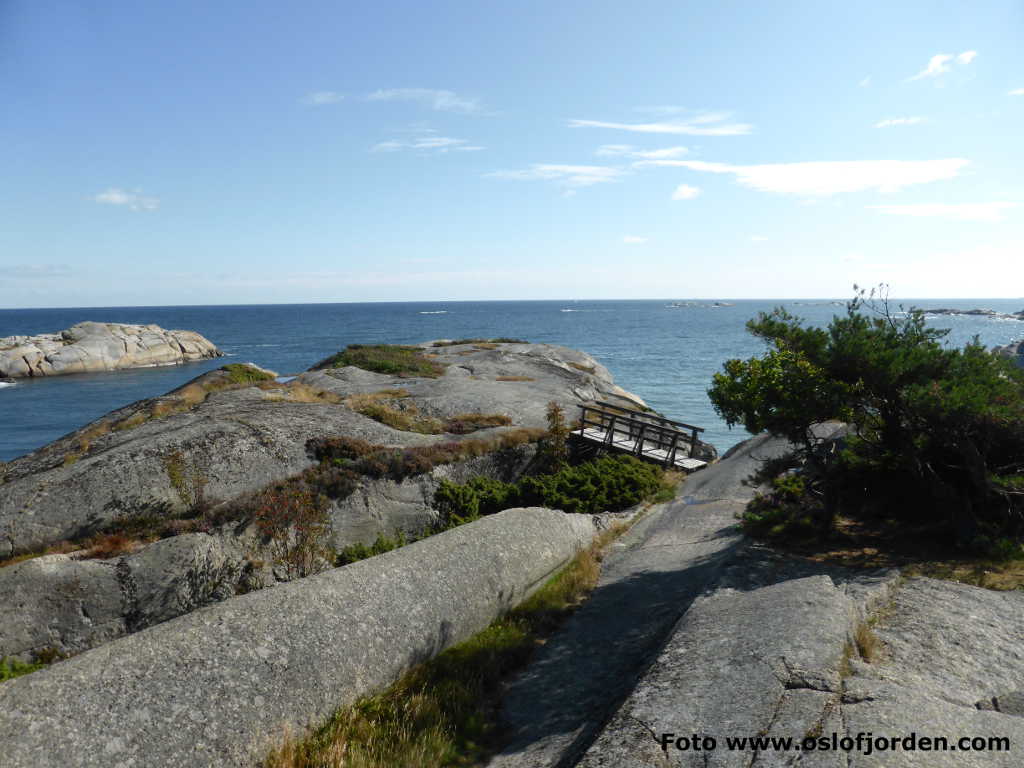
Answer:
[(693, 442)]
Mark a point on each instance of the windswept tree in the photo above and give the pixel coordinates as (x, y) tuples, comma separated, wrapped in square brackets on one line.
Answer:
[(936, 432)]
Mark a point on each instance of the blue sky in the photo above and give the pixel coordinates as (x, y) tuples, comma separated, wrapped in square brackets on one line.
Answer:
[(251, 152)]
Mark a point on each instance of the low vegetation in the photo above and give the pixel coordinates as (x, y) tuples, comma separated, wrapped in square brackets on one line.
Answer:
[(12, 668), (608, 484), (391, 359), (936, 434), (444, 712)]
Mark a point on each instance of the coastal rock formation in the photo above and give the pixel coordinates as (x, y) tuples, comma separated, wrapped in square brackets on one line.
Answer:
[(976, 312), (1014, 351), (218, 686), (91, 347), (170, 461)]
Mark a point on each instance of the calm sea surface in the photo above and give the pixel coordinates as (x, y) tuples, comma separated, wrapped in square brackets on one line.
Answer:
[(666, 354)]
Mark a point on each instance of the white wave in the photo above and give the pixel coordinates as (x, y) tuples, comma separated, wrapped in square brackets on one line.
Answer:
[(6, 384), (436, 312)]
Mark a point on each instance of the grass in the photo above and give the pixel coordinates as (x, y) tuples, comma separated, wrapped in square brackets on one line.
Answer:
[(444, 712), (390, 359), (12, 668), (389, 407), (670, 481), (514, 378), (241, 374)]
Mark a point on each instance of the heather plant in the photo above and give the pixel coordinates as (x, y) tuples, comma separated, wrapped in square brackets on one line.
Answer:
[(293, 519)]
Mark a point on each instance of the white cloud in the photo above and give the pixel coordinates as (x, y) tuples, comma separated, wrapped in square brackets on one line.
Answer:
[(892, 121), (134, 201), (823, 179), (1017, 92), (707, 124), (634, 240), (685, 192), (442, 101), (865, 82), (628, 150), (939, 64), (952, 211), (434, 144), (321, 98), (567, 175)]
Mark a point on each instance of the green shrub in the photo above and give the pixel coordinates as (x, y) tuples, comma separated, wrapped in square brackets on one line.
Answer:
[(391, 359), (11, 668), (355, 552), (937, 432), (610, 483), (240, 373)]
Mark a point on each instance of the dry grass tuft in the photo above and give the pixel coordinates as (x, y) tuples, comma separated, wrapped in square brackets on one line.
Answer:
[(112, 545), (867, 642), (584, 368), (514, 378)]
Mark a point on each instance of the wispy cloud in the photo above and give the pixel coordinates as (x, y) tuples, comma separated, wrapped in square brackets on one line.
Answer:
[(634, 240), (685, 192), (442, 101), (952, 211), (824, 179), (567, 175), (706, 124), (134, 201), (1017, 92), (893, 121), (865, 82), (628, 150), (940, 64), (435, 144), (321, 98), (35, 271)]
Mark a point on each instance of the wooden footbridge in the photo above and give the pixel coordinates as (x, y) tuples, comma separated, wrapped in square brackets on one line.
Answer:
[(644, 435)]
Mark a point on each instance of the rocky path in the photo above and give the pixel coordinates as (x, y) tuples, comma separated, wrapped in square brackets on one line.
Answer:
[(555, 709), (696, 632)]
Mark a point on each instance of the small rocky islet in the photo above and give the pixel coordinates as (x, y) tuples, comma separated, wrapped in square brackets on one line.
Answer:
[(90, 347)]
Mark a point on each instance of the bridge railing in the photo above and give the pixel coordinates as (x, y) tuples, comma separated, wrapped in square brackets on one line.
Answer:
[(642, 434)]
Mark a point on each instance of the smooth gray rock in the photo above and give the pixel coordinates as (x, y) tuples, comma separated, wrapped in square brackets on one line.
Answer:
[(220, 685), (240, 440), (1015, 351), (173, 576), (69, 605), (90, 347), (739, 663)]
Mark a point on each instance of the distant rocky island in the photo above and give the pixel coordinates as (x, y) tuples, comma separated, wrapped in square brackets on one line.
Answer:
[(976, 312), (90, 347)]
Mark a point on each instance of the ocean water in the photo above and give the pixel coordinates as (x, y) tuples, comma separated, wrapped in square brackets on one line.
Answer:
[(666, 354)]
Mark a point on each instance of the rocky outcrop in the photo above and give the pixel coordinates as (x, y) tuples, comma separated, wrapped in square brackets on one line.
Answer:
[(1013, 351), (223, 436), (976, 312), (92, 347), (220, 685)]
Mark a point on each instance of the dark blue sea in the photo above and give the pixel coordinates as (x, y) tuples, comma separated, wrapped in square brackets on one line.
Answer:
[(666, 354)]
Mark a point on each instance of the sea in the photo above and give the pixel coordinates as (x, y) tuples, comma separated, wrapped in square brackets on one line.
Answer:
[(665, 351)]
